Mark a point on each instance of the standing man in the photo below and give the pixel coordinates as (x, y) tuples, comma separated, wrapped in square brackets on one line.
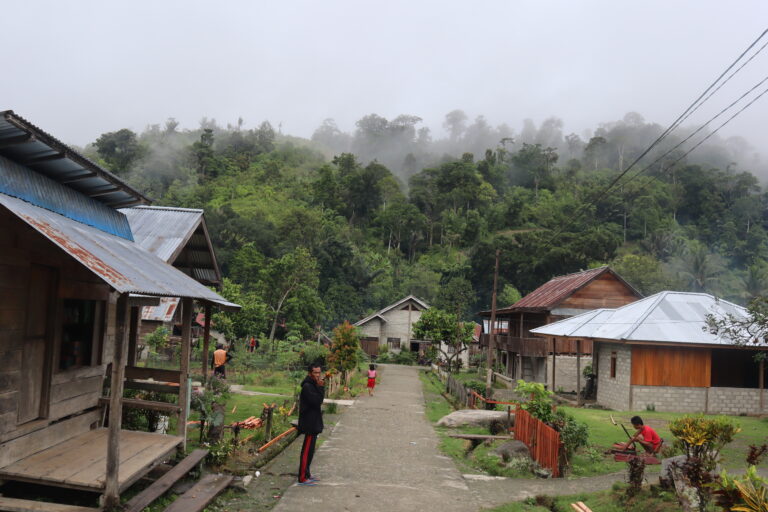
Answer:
[(219, 360), (310, 419)]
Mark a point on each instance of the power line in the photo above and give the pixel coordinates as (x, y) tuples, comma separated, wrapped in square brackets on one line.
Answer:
[(692, 107), (704, 125)]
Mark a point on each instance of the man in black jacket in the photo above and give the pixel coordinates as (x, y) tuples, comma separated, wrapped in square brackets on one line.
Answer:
[(310, 419)]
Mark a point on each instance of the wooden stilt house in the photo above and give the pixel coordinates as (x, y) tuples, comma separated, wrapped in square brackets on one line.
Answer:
[(72, 281), (525, 356)]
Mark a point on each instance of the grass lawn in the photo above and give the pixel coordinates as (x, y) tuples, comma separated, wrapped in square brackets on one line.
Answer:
[(649, 500), (602, 434)]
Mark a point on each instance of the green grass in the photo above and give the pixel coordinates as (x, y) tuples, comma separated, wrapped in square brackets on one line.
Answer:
[(278, 390), (649, 500), (602, 434), (436, 405)]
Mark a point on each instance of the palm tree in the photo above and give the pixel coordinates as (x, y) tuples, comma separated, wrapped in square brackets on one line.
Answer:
[(699, 268)]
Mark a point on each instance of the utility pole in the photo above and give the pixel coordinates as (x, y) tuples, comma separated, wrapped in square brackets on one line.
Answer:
[(491, 347)]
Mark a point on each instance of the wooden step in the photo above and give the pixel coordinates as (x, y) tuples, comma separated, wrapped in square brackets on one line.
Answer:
[(199, 496), (162, 484), (16, 505)]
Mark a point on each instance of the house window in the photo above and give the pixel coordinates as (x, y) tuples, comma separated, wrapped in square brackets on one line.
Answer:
[(393, 343), (613, 365), (80, 333)]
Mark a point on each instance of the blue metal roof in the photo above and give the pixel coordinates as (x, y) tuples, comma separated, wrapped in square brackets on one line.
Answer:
[(28, 145), (19, 181)]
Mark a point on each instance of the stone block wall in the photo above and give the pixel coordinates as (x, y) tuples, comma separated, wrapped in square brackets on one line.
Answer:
[(613, 392), (565, 372), (735, 401), (668, 399)]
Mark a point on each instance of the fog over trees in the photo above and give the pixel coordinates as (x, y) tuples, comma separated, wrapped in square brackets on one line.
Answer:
[(311, 232)]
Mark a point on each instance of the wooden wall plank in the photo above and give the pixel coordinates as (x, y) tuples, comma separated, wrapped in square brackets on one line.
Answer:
[(668, 366)]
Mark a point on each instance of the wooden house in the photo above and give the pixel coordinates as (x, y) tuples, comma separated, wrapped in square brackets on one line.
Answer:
[(658, 354), (72, 281), (525, 356), (392, 326), (178, 236)]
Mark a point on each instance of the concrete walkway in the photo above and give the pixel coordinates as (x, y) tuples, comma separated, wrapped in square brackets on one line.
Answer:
[(383, 455)]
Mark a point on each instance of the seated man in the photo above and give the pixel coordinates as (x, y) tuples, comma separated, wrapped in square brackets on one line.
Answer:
[(646, 436)]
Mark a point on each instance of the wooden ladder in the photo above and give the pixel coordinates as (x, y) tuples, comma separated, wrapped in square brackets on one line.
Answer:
[(162, 484)]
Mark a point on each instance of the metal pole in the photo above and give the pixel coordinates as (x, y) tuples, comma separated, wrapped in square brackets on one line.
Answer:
[(491, 337)]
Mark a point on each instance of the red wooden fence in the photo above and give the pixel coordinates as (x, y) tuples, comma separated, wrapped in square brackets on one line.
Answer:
[(542, 440)]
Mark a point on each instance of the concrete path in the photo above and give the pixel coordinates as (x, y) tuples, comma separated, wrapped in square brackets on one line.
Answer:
[(383, 455)]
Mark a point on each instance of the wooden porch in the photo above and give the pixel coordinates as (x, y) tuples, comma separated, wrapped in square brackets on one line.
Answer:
[(81, 462), (537, 346)]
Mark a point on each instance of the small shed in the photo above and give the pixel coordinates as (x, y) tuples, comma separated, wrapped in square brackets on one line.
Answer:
[(392, 326), (658, 353), (525, 356)]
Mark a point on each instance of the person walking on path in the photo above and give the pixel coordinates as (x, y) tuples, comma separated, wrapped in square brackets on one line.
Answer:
[(310, 419), (371, 379), (219, 361)]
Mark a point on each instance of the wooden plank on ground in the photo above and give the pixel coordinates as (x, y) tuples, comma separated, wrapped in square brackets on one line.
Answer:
[(201, 494), (161, 485), (478, 436), (16, 505)]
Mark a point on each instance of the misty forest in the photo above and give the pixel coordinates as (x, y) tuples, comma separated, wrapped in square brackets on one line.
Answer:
[(313, 232)]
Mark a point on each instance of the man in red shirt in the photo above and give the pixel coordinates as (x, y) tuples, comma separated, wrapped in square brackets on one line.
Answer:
[(646, 436)]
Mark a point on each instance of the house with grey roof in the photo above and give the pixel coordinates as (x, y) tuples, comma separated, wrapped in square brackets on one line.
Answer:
[(392, 327), (658, 353)]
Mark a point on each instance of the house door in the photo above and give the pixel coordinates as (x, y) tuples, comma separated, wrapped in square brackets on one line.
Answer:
[(35, 358)]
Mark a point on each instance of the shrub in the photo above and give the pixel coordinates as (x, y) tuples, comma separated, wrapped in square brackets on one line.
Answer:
[(702, 437), (573, 434), (539, 401)]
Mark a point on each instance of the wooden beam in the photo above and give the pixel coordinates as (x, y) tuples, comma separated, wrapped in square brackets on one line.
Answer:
[(578, 372), (133, 335), (143, 300), (186, 343), (112, 491), (105, 192), (134, 403), (42, 159), (553, 365), (761, 380), (79, 177), (156, 387), (206, 340), (13, 141), (159, 374)]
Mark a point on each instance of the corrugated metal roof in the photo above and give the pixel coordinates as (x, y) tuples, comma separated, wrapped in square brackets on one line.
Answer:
[(666, 317), (28, 145), (582, 325), (163, 312), (122, 264), (415, 299), (160, 230), (33, 187), (555, 290), (177, 236)]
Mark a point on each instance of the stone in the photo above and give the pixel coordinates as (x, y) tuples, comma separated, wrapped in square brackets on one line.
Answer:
[(473, 418), (513, 450), (543, 472)]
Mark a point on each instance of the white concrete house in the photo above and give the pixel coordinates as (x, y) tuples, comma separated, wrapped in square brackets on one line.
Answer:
[(392, 327)]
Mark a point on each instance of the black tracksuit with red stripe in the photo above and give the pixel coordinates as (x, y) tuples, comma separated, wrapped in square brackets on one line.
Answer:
[(310, 422)]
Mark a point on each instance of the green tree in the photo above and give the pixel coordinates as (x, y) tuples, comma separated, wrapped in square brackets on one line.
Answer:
[(120, 150), (446, 334), (345, 347), (283, 278)]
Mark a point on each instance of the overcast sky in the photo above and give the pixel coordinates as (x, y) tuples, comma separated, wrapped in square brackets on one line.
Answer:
[(81, 68)]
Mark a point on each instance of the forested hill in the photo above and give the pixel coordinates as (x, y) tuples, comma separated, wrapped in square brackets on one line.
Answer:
[(312, 232)]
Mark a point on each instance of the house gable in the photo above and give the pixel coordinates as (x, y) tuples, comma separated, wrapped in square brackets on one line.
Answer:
[(605, 291)]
